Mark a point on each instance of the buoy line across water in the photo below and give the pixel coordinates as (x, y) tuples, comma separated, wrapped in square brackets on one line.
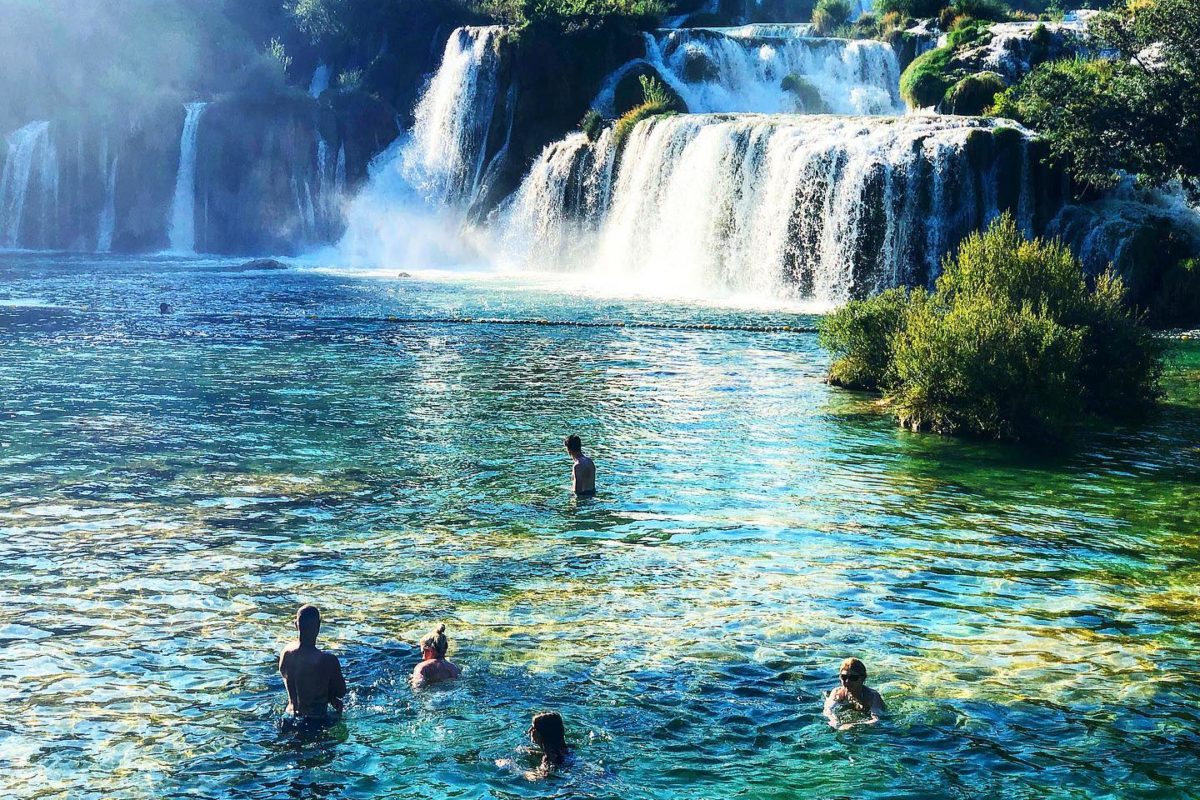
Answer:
[(550, 323)]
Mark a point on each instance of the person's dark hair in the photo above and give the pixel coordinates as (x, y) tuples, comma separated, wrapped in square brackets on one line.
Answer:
[(574, 443), (437, 641), (308, 622), (550, 735)]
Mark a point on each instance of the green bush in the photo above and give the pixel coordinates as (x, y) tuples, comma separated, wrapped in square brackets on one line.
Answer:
[(829, 15), (973, 95), (657, 100), (1176, 302), (925, 81), (993, 10), (592, 124), (860, 337), (1012, 344), (910, 8)]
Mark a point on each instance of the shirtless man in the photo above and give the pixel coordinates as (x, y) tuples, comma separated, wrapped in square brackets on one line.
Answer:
[(313, 678), (583, 474), (853, 695)]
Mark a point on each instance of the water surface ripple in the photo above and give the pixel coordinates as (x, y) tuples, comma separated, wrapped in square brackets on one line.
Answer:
[(172, 486)]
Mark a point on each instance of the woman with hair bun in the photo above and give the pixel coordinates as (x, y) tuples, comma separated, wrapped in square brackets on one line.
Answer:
[(434, 666)]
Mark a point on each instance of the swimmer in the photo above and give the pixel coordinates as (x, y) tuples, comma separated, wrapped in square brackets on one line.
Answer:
[(854, 695), (583, 474), (434, 667), (548, 733), (313, 678)]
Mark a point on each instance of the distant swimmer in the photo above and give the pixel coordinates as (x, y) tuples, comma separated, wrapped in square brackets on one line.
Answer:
[(854, 697), (164, 308), (434, 667), (583, 474), (548, 733), (313, 678)]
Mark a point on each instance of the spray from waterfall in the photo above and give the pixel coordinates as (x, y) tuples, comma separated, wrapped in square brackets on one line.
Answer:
[(183, 206)]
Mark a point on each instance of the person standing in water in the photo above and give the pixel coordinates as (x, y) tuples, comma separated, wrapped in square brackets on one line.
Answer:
[(583, 474), (434, 667), (855, 696), (312, 677)]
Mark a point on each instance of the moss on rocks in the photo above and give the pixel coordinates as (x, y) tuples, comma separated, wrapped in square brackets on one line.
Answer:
[(972, 95), (806, 93), (926, 80)]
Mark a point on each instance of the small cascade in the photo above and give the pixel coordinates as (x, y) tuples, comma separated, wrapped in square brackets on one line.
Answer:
[(817, 207), (28, 147), (743, 70), (339, 172), (445, 157), (108, 211), (183, 206)]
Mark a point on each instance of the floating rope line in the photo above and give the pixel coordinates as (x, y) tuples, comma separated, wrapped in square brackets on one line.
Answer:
[(567, 323)]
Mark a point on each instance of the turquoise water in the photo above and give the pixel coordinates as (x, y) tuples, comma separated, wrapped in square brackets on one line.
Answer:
[(171, 487)]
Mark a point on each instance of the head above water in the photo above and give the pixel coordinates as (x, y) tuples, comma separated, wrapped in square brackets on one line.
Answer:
[(435, 643), (852, 672), (547, 732), (308, 622), (574, 444)]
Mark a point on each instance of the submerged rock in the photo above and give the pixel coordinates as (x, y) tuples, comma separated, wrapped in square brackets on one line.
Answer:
[(261, 264)]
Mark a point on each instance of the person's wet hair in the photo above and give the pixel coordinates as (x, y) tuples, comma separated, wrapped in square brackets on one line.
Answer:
[(549, 733), (436, 641), (574, 443)]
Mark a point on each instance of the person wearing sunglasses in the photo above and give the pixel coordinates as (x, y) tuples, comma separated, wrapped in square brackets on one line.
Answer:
[(853, 697)]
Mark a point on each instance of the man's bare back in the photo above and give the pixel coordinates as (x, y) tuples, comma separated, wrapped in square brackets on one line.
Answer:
[(583, 476), (312, 677)]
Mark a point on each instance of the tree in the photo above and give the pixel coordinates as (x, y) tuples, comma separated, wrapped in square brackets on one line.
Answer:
[(1137, 111)]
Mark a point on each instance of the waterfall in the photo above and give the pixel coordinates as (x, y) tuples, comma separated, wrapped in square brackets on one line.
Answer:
[(714, 71), (24, 146), (771, 206), (183, 206), (320, 81), (445, 156), (108, 211), (339, 172)]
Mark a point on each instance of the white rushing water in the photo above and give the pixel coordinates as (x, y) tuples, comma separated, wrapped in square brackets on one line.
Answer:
[(791, 206), (183, 206), (743, 70), (105, 226), (320, 80), (445, 156), (29, 147)]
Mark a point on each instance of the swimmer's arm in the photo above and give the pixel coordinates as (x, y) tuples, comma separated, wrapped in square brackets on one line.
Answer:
[(337, 686), (293, 701), (418, 676), (576, 475), (877, 709), (830, 703)]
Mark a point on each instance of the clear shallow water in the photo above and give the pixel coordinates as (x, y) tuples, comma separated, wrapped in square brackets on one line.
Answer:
[(171, 487)]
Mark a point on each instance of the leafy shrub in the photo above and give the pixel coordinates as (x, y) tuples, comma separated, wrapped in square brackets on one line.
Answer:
[(657, 100), (910, 8), (974, 94), (349, 79), (925, 81), (1012, 344), (860, 336), (592, 124), (829, 15), (993, 10)]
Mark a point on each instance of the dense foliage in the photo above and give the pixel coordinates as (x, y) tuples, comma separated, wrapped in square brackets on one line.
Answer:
[(1012, 344), (830, 15), (1137, 111)]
